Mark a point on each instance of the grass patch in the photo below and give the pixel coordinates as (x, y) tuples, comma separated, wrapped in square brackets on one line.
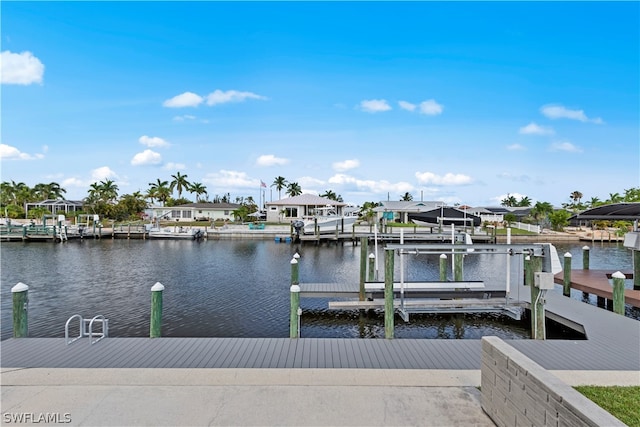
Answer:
[(621, 402), (514, 232)]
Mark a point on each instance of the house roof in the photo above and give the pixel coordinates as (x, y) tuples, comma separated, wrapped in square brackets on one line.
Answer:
[(614, 211), (54, 202), (306, 200), (202, 205), (406, 206)]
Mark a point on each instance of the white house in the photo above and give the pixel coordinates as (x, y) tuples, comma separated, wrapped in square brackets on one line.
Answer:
[(194, 212), (299, 207)]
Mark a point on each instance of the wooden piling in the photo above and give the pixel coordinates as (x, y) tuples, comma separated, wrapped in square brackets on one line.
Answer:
[(537, 305), (155, 329), (372, 267), (458, 269), (388, 293), (364, 249), (585, 257), (443, 268), (566, 283), (295, 308), (636, 269), (295, 271), (20, 294), (618, 292)]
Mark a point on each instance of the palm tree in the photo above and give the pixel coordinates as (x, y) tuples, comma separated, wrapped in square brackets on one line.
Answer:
[(294, 189), (159, 190), (280, 183), (632, 195), (108, 191), (525, 202), (179, 183), (576, 196), (541, 211), (594, 202), (615, 198), (509, 201), (199, 189), (406, 197)]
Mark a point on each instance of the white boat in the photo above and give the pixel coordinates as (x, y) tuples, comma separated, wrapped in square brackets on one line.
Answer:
[(328, 220), (175, 232)]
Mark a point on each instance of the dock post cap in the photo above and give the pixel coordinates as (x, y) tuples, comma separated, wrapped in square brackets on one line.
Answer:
[(443, 256), (157, 287), (296, 255), (618, 275), (568, 255), (585, 248), (20, 287), (294, 261), (372, 255), (294, 289)]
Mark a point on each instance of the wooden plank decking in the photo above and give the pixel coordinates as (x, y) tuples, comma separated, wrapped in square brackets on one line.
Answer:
[(613, 343), (597, 282)]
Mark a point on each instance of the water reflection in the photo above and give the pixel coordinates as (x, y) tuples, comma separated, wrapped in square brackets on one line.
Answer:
[(232, 288)]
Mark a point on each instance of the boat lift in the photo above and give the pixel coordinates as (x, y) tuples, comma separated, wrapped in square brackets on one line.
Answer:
[(506, 305)]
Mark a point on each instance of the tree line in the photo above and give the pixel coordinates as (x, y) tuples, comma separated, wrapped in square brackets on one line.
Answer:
[(103, 198)]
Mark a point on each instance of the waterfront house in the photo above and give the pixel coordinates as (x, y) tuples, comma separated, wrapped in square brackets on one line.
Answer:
[(203, 211), (398, 211), (298, 207)]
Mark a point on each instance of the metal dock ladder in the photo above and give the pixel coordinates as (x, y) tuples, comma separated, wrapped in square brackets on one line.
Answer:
[(86, 329)]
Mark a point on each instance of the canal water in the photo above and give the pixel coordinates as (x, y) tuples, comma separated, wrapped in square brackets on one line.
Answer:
[(233, 288)]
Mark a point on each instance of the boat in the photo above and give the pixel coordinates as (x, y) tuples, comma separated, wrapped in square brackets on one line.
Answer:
[(327, 220), (175, 232)]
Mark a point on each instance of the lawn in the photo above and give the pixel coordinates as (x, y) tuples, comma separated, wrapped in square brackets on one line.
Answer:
[(621, 402)]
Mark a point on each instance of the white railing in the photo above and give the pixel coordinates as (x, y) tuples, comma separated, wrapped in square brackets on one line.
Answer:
[(528, 227)]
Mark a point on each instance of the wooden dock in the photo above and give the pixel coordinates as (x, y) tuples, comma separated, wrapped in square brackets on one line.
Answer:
[(612, 343), (408, 237), (596, 282)]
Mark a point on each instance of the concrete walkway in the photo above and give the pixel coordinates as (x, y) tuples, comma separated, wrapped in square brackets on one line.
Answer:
[(242, 397)]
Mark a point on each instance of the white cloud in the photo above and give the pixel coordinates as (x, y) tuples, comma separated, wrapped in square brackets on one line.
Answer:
[(153, 141), (20, 68), (346, 165), (103, 173), (407, 105), (187, 99), (535, 129), (184, 118), (7, 152), (374, 105), (231, 179), (517, 178), (430, 107), (516, 147), (220, 97), (560, 112), (170, 166), (370, 185), (271, 160), (565, 146), (74, 182), (147, 157), (307, 182), (447, 179)]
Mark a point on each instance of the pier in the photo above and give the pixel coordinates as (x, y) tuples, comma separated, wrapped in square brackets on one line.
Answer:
[(596, 282)]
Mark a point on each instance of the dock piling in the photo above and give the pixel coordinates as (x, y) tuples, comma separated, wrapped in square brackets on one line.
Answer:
[(294, 318), (372, 267), (618, 292), (364, 249), (155, 328), (566, 283), (443, 268), (389, 311), (20, 310), (295, 271), (537, 303), (585, 257)]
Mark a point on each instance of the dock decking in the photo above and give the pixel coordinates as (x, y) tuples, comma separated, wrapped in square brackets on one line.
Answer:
[(596, 282), (613, 343)]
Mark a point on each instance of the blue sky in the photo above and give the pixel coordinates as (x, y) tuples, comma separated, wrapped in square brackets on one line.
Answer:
[(463, 102)]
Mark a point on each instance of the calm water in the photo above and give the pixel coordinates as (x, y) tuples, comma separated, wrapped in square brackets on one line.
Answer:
[(231, 288)]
